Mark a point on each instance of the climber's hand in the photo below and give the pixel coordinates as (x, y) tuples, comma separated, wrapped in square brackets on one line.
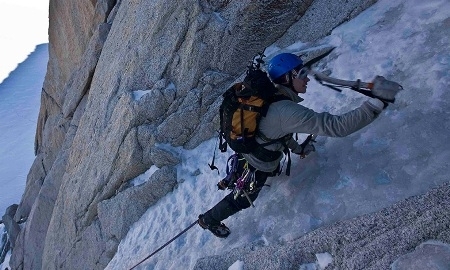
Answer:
[(384, 89)]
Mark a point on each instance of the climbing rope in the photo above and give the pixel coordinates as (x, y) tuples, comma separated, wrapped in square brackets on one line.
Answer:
[(163, 246)]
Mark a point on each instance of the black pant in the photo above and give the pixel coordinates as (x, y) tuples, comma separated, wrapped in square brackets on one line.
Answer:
[(229, 206)]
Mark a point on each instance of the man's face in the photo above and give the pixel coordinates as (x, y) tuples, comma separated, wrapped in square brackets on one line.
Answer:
[(300, 80)]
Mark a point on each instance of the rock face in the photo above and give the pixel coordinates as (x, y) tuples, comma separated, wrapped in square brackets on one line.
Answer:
[(96, 131)]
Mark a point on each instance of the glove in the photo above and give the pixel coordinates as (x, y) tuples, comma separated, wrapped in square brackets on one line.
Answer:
[(222, 185), (307, 149), (384, 89), (304, 149)]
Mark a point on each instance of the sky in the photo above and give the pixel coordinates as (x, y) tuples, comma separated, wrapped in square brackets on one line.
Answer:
[(404, 152), (23, 63), (23, 58), (23, 25)]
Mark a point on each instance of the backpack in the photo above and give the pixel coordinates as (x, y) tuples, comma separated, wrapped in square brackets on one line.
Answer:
[(241, 110)]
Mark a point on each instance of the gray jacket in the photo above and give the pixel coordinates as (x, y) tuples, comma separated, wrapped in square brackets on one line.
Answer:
[(287, 116)]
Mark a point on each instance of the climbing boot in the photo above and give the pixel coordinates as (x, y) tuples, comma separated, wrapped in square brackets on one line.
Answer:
[(218, 229)]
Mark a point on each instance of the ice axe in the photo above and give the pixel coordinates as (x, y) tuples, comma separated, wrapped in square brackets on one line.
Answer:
[(380, 87)]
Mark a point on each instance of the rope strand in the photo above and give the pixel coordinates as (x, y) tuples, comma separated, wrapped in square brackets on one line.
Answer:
[(163, 246)]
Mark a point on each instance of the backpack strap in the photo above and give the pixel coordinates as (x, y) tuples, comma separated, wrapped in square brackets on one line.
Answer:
[(288, 166), (265, 108), (222, 140), (252, 108), (266, 155)]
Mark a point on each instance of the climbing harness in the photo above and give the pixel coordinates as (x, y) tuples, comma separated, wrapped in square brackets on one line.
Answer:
[(232, 173), (241, 184), (163, 246), (245, 183)]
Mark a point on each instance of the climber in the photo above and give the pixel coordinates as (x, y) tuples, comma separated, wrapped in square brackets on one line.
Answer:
[(282, 119)]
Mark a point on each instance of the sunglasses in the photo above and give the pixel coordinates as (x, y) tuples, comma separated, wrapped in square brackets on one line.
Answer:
[(301, 73)]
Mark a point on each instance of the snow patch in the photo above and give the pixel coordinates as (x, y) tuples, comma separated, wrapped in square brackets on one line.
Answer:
[(140, 179), (138, 94), (323, 260), (237, 265), (431, 254)]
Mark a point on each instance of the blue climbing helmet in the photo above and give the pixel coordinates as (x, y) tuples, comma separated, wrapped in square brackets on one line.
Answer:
[(282, 64)]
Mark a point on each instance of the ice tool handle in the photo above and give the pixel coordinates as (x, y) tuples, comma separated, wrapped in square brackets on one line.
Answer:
[(379, 88)]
